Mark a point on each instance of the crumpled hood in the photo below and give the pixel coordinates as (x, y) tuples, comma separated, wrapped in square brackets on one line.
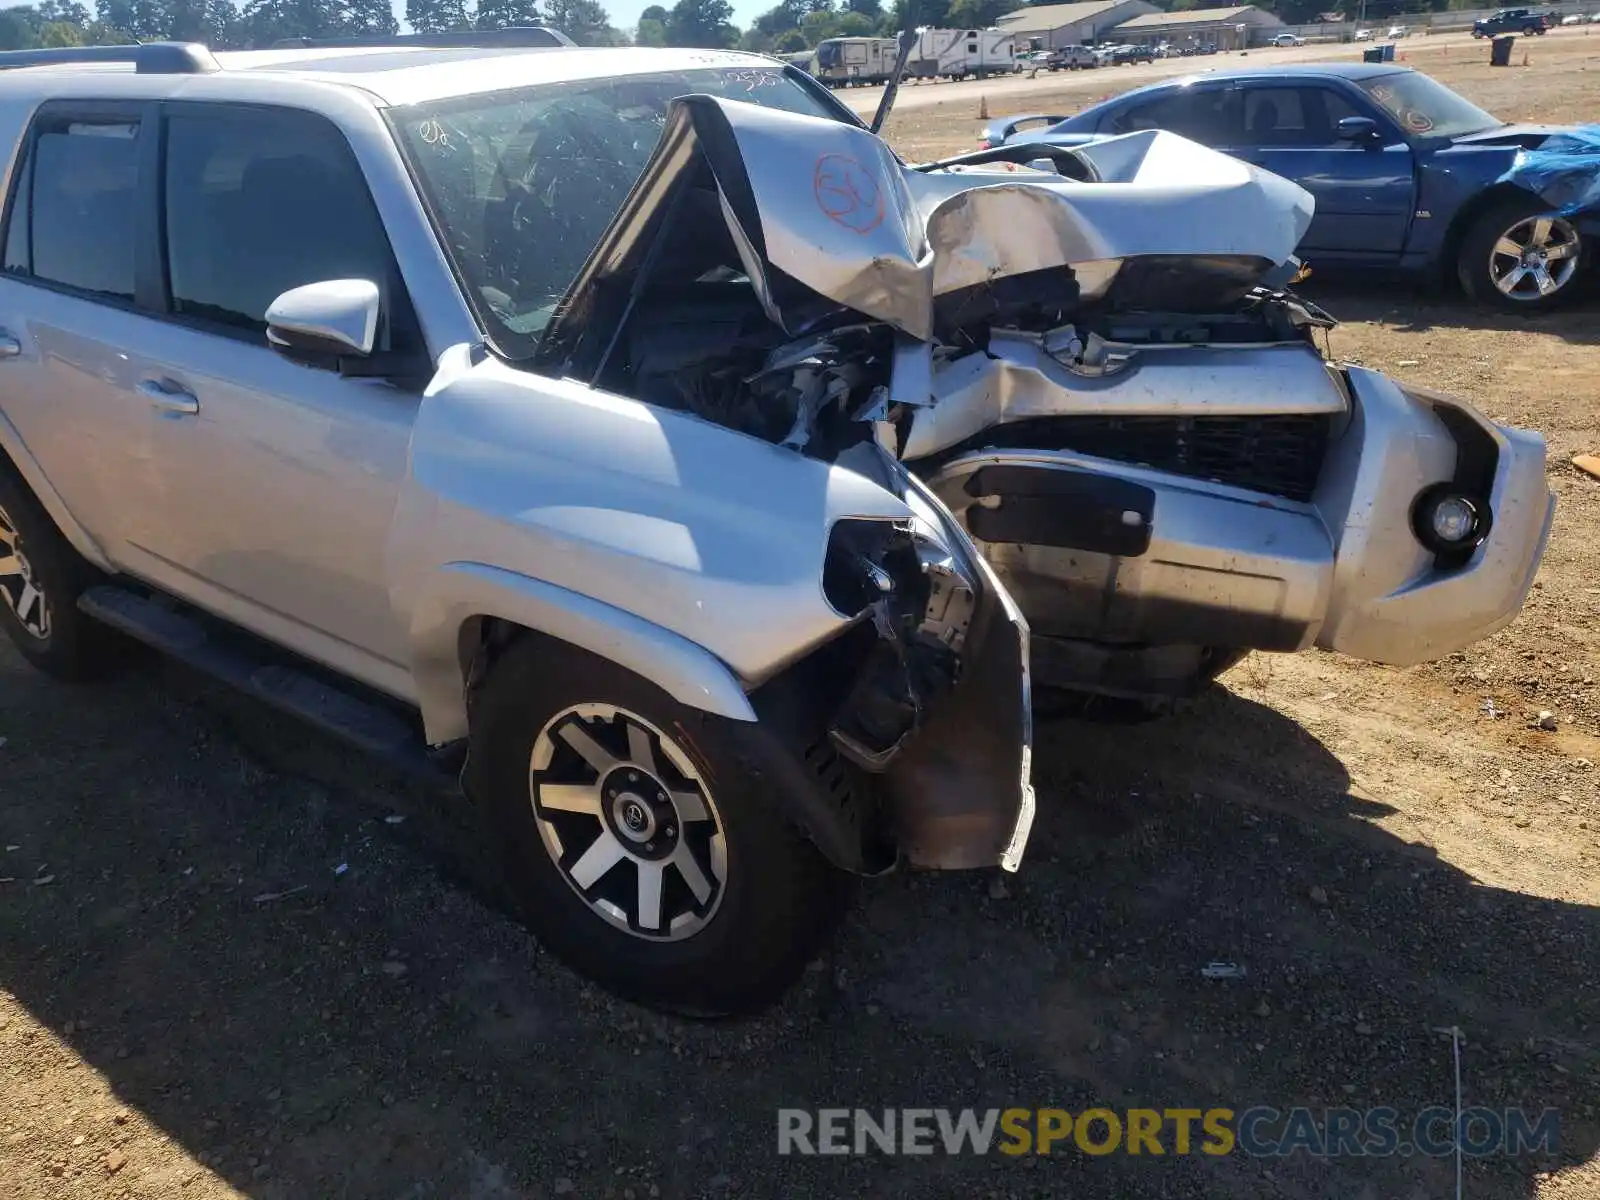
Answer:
[(826, 206), (1561, 168)]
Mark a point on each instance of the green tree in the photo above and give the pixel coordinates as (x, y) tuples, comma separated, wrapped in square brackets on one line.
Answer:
[(60, 33), (146, 20), (366, 16), (19, 29), (651, 32), (505, 14), (101, 34), (976, 14), (786, 15), (584, 21), (702, 23), (871, 9), (790, 41), (935, 14), (437, 16), (67, 12)]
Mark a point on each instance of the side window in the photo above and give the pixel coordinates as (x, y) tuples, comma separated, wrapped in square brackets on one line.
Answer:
[(258, 202), (1278, 117), (72, 211), (1204, 115), (1335, 108), (1294, 116)]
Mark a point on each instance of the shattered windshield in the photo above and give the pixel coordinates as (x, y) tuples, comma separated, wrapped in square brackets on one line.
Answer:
[(1424, 107), (523, 183)]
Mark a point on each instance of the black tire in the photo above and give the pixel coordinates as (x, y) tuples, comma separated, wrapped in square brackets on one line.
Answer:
[(1474, 257), (44, 576), (777, 904)]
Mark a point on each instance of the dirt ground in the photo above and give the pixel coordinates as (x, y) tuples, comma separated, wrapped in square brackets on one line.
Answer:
[(1385, 852)]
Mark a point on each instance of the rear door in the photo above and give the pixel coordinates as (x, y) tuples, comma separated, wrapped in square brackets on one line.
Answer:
[(1365, 191), (1207, 113), (74, 269)]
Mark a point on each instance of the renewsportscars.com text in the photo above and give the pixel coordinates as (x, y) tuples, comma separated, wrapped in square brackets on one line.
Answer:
[(1260, 1131)]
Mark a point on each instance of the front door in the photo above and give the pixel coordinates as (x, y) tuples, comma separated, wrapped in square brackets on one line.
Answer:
[(275, 484), (1365, 192)]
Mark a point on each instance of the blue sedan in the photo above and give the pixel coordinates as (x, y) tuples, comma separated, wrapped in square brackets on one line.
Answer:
[(1406, 174)]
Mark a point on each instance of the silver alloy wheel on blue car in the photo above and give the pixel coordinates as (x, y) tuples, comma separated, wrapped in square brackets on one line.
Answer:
[(20, 588), (1535, 258)]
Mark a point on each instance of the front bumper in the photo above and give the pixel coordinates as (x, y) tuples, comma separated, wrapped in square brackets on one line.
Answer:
[(1154, 559)]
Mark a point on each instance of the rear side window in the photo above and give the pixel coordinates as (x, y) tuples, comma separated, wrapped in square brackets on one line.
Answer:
[(72, 219), (1206, 115), (261, 201)]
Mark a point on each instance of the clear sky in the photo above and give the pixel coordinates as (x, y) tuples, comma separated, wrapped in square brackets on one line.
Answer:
[(625, 13)]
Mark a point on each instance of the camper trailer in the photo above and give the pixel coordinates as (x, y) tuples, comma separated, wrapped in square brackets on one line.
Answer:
[(958, 53), (842, 62)]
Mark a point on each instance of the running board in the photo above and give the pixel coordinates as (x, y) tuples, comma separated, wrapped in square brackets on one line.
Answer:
[(237, 659)]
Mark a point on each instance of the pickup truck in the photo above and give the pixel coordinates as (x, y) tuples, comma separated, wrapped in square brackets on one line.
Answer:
[(1512, 20), (1072, 58)]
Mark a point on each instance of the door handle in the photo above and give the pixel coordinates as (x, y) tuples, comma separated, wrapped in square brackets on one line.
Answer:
[(10, 346), (168, 397)]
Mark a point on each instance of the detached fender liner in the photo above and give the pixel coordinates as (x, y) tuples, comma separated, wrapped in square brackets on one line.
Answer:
[(1074, 510)]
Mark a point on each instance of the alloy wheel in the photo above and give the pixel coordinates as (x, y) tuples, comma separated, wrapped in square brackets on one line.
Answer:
[(20, 587), (1535, 258), (628, 821)]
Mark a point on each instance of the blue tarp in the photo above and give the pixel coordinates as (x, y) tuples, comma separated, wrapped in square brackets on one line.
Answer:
[(1564, 172)]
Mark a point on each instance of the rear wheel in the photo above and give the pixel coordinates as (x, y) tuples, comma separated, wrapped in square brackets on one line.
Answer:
[(642, 839), (41, 578), (1520, 257)]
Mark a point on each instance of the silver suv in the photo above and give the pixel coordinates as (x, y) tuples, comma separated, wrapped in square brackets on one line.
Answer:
[(544, 410), (277, 398)]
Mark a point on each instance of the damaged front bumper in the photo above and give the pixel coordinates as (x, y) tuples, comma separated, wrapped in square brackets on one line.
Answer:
[(1115, 560)]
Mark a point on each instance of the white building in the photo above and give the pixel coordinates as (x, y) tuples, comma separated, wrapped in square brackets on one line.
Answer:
[(1070, 24), (1224, 28)]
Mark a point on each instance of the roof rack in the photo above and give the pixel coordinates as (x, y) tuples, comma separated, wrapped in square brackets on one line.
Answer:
[(516, 36), (150, 58)]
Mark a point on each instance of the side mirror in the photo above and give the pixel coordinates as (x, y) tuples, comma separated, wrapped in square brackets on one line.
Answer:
[(320, 323), (1358, 129)]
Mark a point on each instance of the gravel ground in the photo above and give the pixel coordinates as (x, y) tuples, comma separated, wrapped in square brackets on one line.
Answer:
[(227, 969)]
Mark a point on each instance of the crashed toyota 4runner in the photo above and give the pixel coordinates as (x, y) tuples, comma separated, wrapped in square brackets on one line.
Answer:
[(620, 428)]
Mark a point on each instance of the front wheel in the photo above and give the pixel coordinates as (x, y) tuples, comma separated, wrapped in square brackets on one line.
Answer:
[(1521, 258), (644, 841)]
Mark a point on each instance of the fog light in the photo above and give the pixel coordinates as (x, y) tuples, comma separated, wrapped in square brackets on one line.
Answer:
[(1453, 519), (1448, 522)]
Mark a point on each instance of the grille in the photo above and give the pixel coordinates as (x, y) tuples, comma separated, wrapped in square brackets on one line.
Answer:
[(1279, 455)]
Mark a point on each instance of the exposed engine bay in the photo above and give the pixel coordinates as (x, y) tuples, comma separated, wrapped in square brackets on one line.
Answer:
[(788, 278)]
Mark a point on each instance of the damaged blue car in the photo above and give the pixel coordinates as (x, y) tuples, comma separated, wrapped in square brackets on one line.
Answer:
[(1406, 174)]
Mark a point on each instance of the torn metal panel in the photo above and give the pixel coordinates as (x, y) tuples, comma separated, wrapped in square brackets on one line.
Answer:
[(1563, 171)]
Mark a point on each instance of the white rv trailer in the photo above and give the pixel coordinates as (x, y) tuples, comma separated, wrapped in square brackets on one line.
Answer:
[(855, 60), (958, 53)]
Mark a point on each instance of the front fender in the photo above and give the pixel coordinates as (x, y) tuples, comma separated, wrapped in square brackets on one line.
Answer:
[(459, 591)]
